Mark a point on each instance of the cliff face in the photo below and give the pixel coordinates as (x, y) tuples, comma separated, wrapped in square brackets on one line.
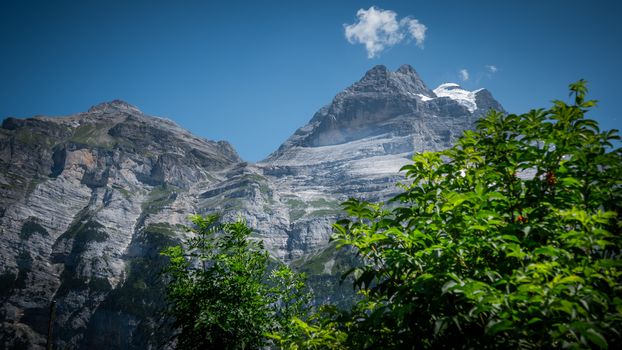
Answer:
[(87, 201)]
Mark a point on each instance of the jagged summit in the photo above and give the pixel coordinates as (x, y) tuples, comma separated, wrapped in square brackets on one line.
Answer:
[(117, 105), (119, 109), (120, 125), (385, 106), (406, 69), (379, 79)]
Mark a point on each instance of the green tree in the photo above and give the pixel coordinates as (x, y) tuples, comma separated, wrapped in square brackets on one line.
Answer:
[(224, 292), (510, 239)]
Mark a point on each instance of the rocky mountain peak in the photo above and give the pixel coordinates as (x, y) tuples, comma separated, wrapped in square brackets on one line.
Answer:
[(407, 69), (377, 72), (404, 81), (391, 103), (114, 106)]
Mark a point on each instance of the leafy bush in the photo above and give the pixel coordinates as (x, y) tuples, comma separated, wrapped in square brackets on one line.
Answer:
[(510, 239), (223, 293)]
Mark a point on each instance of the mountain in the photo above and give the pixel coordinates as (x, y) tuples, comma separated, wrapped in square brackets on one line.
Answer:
[(84, 199), (88, 200), (355, 146)]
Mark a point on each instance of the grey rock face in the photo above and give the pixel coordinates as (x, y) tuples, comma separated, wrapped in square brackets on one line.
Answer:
[(88, 200), (79, 195)]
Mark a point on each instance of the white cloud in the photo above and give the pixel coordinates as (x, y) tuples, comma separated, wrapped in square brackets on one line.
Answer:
[(417, 30), (378, 29), (464, 74), (492, 69)]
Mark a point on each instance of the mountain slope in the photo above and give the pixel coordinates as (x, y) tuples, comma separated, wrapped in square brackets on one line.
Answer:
[(79, 195)]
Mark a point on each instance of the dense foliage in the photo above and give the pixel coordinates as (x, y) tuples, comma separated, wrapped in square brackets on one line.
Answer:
[(510, 239), (223, 291)]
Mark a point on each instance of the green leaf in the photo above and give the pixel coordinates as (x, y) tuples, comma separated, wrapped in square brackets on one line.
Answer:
[(596, 338), (511, 238), (570, 182), (571, 279), (547, 250), (496, 326), (534, 320)]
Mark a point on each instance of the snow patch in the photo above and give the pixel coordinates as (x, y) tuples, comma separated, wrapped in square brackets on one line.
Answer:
[(425, 98), (458, 94)]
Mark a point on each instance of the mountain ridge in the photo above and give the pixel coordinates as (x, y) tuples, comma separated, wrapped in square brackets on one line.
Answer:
[(378, 97)]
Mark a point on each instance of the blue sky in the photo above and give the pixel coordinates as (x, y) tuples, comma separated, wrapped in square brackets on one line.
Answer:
[(252, 72)]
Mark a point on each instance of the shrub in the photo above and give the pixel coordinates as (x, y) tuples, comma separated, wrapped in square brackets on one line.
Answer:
[(223, 292)]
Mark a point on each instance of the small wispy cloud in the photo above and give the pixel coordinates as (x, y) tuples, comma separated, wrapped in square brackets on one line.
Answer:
[(487, 73), (417, 30), (491, 68), (464, 74), (379, 29)]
